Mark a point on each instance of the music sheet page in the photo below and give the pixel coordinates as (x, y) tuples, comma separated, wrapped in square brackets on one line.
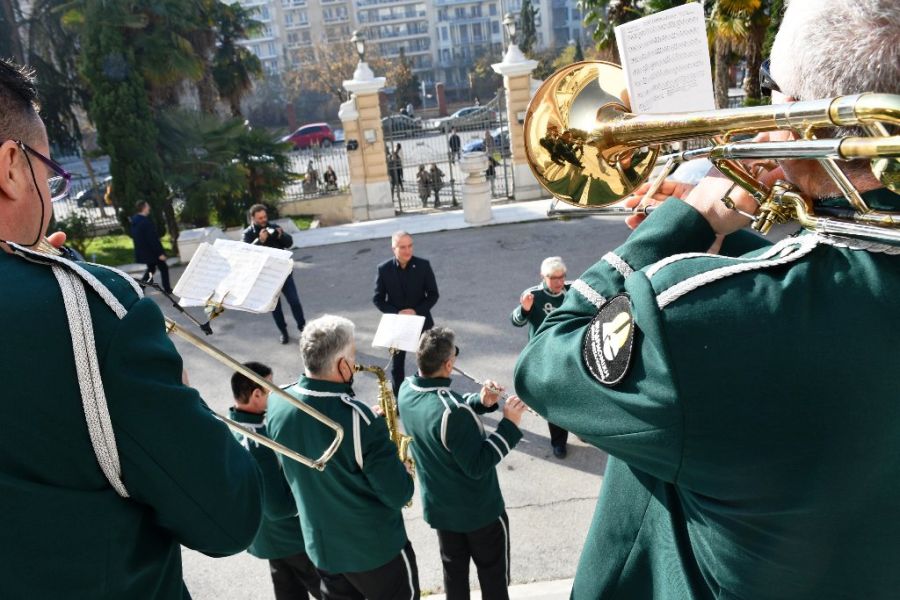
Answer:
[(399, 331), (665, 57)]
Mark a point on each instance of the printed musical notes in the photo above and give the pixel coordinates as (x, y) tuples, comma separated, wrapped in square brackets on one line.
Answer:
[(665, 58)]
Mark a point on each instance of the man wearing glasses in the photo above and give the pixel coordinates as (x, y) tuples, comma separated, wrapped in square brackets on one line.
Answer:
[(535, 304), (747, 398), (111, 463), (456, 462)]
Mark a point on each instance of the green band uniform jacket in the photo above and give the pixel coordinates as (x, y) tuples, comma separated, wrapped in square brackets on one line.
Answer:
[(67, 533), (350, 512), (545, 302), (279, 534), (455, 457), (755, 439)]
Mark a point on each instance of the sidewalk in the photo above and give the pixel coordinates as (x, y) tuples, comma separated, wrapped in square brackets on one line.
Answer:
[(539, 590)]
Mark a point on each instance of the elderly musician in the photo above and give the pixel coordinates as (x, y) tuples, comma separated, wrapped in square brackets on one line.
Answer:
[(279, 539), (535, 304), (456, 462), (109, 463), (350, 512), (748, 400)]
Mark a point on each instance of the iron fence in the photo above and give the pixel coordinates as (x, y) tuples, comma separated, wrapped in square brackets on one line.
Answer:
[(312, 165)]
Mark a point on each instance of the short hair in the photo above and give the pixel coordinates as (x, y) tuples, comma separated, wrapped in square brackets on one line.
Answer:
[(256, 208), (551, 265), (436, 346), (395, 237), (139, 205), (828, 48), (324, 340), (19, 119), (242, 386)]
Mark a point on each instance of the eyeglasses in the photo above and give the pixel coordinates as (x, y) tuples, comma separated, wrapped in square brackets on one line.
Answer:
[(457, 351), (767, 85), (57, 183), (557, 277)]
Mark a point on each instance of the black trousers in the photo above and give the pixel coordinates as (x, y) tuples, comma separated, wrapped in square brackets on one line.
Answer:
[(398, 370), (488, 548), (558, 436), (295, 578), (163, 273), (290, 294), (396, 580)]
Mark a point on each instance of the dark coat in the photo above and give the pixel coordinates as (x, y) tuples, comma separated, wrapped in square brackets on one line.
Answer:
[(283, 242), (147, 248), (420, 291)]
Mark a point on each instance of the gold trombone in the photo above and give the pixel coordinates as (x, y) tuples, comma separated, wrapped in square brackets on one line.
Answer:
[(586, 148)]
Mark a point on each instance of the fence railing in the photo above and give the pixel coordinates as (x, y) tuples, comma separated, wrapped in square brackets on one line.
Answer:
[(312, 165)]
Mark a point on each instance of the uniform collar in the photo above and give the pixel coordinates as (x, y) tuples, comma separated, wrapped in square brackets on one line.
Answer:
[(430, 382), (242, 416), (549, 293), (327, 387)]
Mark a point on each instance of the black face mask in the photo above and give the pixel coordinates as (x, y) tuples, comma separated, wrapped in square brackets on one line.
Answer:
[(352, 373)]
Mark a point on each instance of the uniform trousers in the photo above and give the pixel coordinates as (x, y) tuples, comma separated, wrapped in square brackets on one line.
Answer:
[(396, 580), (558, 436), (295, 577), (290, 294), (488, 548)]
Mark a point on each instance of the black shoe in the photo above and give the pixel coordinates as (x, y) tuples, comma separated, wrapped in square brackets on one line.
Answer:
[(283, 338), (559, 451)]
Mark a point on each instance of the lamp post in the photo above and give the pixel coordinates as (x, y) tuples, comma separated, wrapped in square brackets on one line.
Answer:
[(509, 23), (359, 42)]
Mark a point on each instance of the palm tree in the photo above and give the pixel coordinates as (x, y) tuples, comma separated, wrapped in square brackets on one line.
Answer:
[(234, 67), (729, 27)]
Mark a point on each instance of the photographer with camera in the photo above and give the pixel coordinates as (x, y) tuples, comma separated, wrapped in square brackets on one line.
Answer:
[(271, 235)]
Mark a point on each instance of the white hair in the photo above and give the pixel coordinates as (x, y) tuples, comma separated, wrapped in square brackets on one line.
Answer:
[(324, 341), (828, 48), (551, 265), (397, 235)]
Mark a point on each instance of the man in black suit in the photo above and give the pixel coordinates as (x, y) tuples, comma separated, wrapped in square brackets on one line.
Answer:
[(405, 285), (147, 247)]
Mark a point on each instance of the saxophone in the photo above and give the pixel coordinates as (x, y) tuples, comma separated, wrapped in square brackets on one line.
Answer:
[(388, 405)]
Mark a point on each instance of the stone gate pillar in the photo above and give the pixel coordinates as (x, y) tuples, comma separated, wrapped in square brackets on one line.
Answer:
[(370, 188), (516, 70)]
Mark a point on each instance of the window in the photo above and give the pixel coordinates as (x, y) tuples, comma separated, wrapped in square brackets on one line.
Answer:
[(492, 10), (444, 35)]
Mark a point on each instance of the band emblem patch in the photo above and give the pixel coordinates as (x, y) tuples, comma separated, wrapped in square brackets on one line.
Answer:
[(609, 341)]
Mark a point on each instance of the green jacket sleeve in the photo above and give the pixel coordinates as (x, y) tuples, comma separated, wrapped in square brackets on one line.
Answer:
[(382, 467), (278, 500), (475, 454), (639, 420), (519, 317), (176, 456), (474, 401)]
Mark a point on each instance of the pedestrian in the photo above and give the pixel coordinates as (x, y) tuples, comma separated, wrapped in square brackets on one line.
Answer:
[(261, 232), (405, 284), (456, 463), (437, 183), (311, 182), (489, 146), (747, 397), (279, 539), (148, 249), (330, 179), (119, 463), (454, 144), (423, 181)]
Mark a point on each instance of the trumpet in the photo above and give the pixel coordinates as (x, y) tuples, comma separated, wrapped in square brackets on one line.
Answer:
[(586, 148)]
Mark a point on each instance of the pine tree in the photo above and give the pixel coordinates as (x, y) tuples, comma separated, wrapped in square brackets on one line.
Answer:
[(527, 29)]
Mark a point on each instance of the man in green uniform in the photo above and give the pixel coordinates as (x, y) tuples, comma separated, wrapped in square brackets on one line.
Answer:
[(535, 304), (350, 512), (279, 539), (748, 400), (109, 463), (456, 460)]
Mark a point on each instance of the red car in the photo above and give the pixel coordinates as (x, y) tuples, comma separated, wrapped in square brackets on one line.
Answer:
[(312, 134)]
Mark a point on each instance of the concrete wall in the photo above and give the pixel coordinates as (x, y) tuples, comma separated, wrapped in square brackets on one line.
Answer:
[(330, 210)]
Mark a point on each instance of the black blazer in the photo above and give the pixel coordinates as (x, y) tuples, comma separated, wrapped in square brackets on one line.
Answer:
[(147, 248), (418, 289)]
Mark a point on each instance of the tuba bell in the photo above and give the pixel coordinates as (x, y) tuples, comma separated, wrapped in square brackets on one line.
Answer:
[(587, 149)]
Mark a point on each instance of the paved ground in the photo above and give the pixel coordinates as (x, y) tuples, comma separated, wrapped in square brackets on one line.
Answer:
[(480, 274)]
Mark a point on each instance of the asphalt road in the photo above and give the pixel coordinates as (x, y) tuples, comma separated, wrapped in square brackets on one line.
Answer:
[(480, 273)]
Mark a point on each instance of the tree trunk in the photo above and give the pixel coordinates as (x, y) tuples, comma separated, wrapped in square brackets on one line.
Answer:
[(9, 10), (754, 49), (721, 81)]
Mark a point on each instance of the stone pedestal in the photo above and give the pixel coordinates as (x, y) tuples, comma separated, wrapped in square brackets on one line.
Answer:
[(370, 188), (476, 191), (516, 70)]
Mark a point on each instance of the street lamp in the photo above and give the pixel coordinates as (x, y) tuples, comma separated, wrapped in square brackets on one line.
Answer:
[(509, 22), (359, 41)]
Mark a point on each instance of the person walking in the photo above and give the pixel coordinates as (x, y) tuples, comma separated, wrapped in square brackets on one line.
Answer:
[(148, 249)]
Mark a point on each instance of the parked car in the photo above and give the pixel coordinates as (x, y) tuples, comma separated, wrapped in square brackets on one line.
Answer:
[(93, 197), (398, 126), (501, 142), (311, 134), (470, 118)]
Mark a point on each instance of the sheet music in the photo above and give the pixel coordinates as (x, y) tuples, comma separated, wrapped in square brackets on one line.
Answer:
[(665, 57), (206, 269), (399, 331)]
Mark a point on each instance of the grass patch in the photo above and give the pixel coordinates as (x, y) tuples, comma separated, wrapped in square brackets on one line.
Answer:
[(115, 250), (302, 222)]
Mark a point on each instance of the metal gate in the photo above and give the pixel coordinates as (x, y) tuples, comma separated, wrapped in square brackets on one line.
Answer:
[(423, 156)]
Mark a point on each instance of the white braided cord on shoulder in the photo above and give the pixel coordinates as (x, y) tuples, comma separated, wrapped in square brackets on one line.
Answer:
[(131, 280), (769, 253), (619, 264), (90, 382), (589, 293), (858, 244), (788, 253)]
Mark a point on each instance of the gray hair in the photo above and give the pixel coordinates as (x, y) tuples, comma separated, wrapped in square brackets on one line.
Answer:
[(436, 346), (828, 48), (551, 265), (324, 341), (395, 237)]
